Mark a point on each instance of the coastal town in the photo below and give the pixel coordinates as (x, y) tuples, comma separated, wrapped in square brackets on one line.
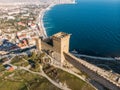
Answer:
[(31, 60), (19, 25)]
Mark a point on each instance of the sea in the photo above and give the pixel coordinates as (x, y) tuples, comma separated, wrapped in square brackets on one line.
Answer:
[(94, 25)]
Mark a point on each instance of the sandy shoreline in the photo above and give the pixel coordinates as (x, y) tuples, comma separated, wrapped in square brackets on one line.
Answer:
[(41, 15), (41, 23)]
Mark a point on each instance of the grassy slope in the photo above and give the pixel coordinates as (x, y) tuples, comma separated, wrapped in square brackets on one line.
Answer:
[(71, 81), (34, 82)]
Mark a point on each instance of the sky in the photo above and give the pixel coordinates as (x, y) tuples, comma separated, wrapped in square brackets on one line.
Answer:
[(10, 1)]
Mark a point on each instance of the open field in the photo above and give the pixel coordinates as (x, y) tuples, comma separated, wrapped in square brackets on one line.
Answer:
[(65, 78), (22, 80)]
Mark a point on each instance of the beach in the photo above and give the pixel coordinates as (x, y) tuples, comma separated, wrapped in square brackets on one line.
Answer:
[(41, 15)]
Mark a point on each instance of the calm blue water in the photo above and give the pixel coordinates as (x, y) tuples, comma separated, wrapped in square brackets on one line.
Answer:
[(94, 25)]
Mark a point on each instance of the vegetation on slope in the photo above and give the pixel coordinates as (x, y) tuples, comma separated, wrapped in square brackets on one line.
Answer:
[(65, 78), (22, 80)]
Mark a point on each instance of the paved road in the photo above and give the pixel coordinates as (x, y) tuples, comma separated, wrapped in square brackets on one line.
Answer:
[(18, 52), (42, 73), (8, 62)]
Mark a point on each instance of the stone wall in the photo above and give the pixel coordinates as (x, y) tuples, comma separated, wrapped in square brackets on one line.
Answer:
[(46, 46), (96, 73), (51, 51)]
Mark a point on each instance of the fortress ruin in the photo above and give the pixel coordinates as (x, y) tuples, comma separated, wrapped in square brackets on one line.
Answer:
[(55, 46)]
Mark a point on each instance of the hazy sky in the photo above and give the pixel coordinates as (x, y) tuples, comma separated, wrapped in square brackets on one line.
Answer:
[(10, 1)]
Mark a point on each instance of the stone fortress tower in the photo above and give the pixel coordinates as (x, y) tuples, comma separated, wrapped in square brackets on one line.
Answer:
[(61, 44), (55, 46), (38, 43)]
